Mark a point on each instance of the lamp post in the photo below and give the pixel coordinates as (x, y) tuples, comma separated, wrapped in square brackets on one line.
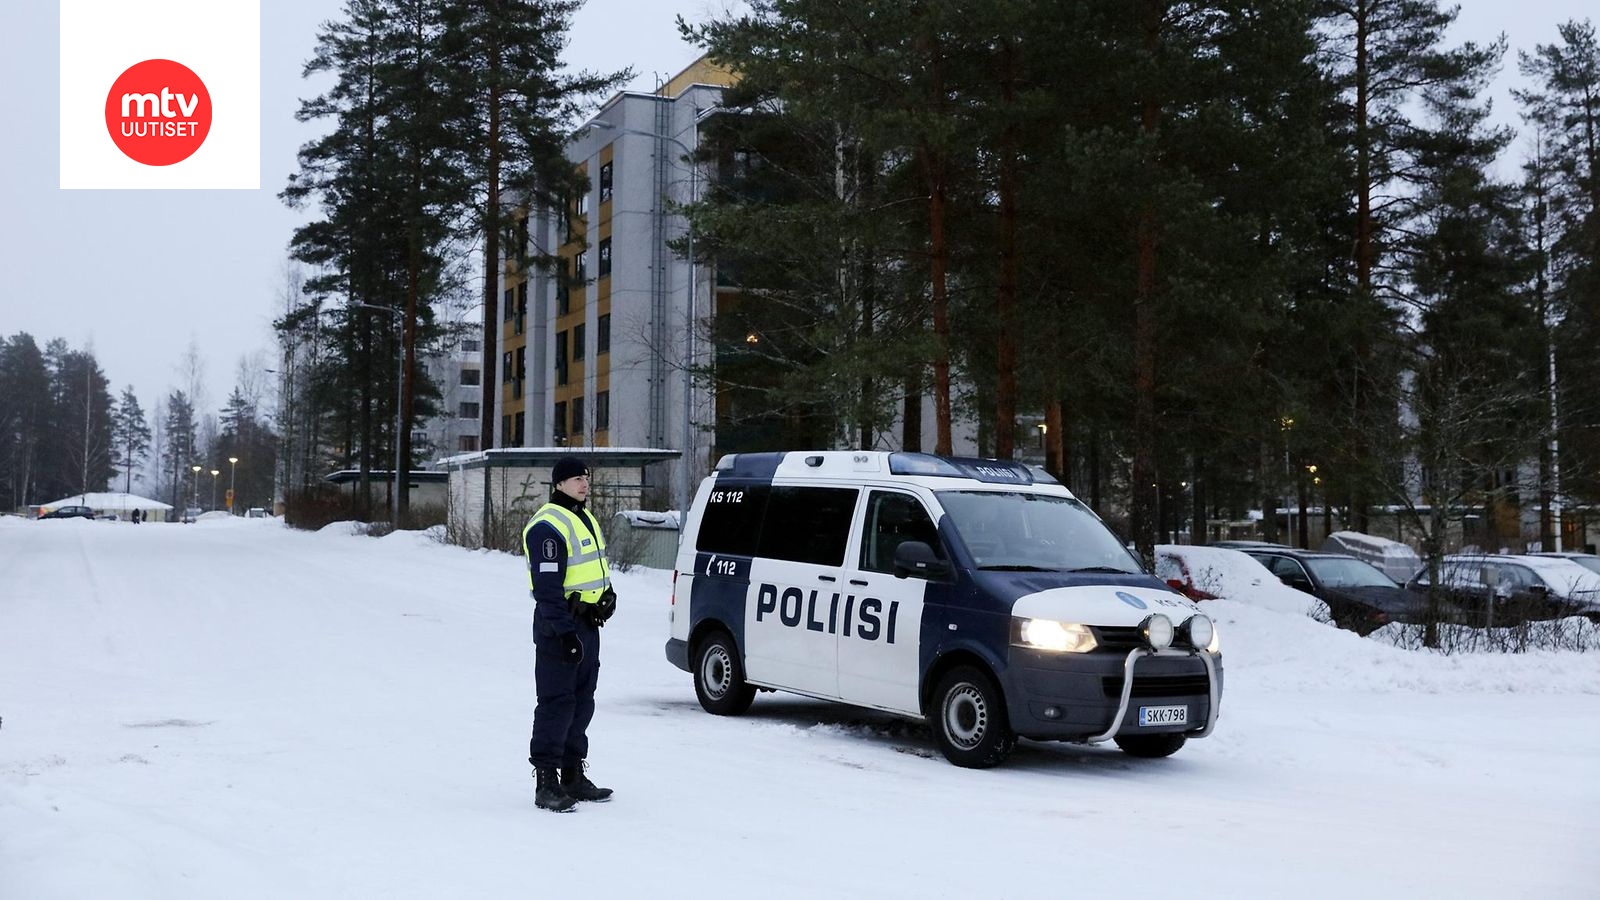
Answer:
[(686, 489), (233, 473), (214, 474), (399, 400), (194, 486)]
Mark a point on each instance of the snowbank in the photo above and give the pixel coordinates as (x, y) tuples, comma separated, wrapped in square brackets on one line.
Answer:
[(1270, 651)]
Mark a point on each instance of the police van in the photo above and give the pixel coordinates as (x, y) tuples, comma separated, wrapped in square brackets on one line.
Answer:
[(979, 595)]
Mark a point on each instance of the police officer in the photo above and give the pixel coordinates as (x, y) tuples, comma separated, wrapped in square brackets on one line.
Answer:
[(571, 584)]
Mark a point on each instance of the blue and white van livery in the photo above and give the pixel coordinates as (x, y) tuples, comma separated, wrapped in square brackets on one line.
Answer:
[(979, 595)]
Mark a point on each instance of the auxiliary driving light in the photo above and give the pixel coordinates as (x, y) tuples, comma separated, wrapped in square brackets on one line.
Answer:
[(1198, 632), (1158, 631)]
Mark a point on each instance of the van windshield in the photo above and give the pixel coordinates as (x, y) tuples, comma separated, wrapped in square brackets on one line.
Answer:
[(1034, 532)]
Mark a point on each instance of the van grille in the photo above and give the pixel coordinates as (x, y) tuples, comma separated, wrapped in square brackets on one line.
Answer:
[(1119, 637), (1157, 685)]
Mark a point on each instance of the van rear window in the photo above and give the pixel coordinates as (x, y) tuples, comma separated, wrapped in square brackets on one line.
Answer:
[(732, 519), (808, 524)]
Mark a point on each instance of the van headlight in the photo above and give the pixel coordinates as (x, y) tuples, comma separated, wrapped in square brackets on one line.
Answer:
[(1048, 634), (1199, 632), (1158, 631)]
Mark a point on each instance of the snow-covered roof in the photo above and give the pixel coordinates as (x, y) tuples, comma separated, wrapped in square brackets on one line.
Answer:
[(108, 500)]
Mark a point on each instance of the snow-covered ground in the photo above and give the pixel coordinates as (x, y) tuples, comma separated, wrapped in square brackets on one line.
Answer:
[(236, 710)]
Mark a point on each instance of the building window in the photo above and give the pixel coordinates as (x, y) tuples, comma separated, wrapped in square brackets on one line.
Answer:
[(581, 273), (505, 431), (522, 306), (521, 421), (583, 203), (602, 411), (577, 342), (577, 415), (420, 439), (521, 249), (602, 335), (471, 345), (605, 182), (561, 357), (522, 369), (510, 309), (605, 257), (468, 410), (467, 443), (559, 428), (563, 293), (469, 377), (505, 367)]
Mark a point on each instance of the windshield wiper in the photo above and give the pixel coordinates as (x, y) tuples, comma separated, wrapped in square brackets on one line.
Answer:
[(1110, 570), (1016, 568)]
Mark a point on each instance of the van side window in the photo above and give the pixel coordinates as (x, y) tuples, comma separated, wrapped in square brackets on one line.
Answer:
[(892, 520), (807, 524), (732, 519)]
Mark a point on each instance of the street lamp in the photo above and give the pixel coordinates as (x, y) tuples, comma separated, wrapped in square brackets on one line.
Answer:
[(194, 486), (233, 472), (214, 474), (687, 486)]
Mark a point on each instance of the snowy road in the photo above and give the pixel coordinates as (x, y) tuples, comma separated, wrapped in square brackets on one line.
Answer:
[(233, 709)]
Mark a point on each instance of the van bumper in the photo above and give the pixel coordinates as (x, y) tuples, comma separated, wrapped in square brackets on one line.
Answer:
[(1072, 697), (678, 653)]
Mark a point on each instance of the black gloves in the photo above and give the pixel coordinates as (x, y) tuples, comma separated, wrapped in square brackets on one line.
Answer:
[(571, 649), (605, 607)]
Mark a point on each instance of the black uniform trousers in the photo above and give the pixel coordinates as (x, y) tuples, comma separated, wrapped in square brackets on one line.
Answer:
[(565, 698)]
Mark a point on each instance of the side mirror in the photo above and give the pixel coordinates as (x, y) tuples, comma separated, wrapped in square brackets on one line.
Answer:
[(917, 558)]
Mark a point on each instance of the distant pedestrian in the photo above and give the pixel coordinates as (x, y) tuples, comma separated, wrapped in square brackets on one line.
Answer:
[(570, 579)]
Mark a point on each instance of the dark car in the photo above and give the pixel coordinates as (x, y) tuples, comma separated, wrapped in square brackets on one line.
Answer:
[(1506, 589), (69, 512), (1361, 598), (1587, 560)]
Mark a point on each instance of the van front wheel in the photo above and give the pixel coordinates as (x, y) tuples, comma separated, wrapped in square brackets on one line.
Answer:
[(719, 677), (969, 719)]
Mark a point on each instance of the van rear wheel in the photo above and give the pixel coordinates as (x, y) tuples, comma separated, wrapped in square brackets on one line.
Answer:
[(1151, 746), (719, 677), (969, 722)]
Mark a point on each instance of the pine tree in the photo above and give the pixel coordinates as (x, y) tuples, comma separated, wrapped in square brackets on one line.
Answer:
[(130, 436), (1564, 105), (24, 410), (1383, 55), (514, 106), (180, 430)]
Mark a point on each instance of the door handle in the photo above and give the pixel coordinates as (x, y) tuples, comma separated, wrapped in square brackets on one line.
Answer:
[(858, 582), (826, 578)]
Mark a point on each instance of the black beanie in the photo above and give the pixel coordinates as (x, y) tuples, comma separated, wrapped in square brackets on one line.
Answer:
[(568, 467)]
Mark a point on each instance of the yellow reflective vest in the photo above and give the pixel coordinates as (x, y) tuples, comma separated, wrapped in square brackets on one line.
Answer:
[(587, 572)]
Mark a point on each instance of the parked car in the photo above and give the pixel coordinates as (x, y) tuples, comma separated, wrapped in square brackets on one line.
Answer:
[(1587, 560), (1247, 546), (1207, 573), (1361, 598), (1497, 590), (1392, 558), (191, 514), (256, 512), (69, 512)]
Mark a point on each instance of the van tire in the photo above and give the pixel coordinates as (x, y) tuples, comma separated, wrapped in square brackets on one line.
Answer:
[(719, 676), (968, 715), (1151, 746)]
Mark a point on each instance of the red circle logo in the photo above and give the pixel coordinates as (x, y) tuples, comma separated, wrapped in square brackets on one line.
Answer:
[(158, 112)]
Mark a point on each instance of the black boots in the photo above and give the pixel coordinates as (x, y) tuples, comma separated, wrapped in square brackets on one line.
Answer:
[(579, 787), (548, 793)]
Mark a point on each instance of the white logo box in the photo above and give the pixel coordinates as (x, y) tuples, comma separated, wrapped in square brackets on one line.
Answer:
[(219, 39)]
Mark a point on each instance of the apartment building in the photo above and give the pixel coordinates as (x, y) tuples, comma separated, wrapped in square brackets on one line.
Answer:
[(595, 354)]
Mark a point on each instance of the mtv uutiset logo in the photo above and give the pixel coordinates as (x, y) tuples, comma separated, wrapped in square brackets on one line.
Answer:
[(158, 127), (161, 94)]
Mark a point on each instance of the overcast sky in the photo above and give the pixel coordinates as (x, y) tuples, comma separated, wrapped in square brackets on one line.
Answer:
[(139, 274)]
